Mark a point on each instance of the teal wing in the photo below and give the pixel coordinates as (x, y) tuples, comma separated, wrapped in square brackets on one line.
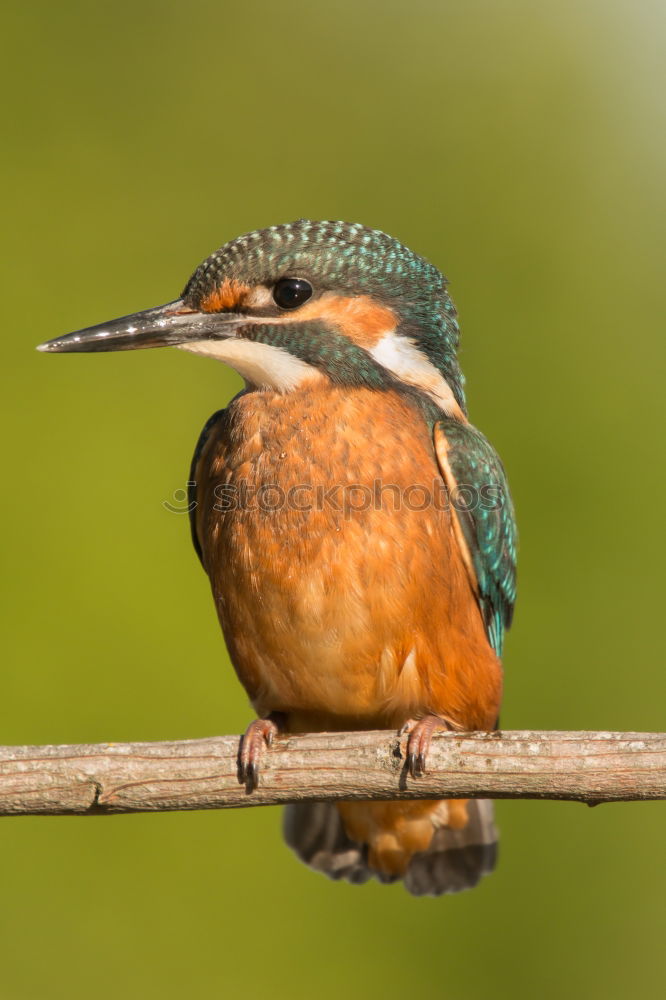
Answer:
[(192, 481), (484, 520)]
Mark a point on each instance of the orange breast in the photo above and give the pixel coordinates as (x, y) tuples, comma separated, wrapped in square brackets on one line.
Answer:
[(335, 569)]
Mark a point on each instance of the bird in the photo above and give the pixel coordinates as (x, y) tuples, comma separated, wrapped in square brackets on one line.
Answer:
[(357, 530)]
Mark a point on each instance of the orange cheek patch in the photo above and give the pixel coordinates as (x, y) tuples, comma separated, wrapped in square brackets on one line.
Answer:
[(361, 319), (229, 295)]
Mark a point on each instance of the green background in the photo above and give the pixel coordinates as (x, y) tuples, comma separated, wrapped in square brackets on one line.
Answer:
[(521, 146)]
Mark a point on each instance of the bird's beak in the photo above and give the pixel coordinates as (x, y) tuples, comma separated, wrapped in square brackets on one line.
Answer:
[(165, 326)]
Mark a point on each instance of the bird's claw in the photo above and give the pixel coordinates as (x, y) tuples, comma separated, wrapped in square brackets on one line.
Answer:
[(420, 733), (258, 734), (416, 764)]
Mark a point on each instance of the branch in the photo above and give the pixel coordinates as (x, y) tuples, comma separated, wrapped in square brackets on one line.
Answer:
[(201, 774)]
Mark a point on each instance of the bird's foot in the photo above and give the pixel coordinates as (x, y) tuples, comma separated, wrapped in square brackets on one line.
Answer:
[(258, 734), (420, 737)]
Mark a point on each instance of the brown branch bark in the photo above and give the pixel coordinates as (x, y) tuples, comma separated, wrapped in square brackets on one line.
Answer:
[(202, 774)]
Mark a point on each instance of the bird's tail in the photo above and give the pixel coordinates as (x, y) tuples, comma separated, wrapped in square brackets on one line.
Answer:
[(455, 859)]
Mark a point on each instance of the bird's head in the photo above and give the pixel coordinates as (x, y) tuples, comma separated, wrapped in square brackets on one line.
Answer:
[(307, 300)]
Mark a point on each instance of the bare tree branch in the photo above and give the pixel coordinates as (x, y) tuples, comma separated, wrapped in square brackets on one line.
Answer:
[(202, 774)]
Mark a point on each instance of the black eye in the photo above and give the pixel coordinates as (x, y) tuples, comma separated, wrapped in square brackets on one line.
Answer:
[(289, 293)]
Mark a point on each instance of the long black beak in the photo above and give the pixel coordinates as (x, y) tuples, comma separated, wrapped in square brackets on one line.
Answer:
[(165, 326)]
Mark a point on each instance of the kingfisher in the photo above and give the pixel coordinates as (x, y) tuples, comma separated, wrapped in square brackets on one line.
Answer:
[(357, 529)]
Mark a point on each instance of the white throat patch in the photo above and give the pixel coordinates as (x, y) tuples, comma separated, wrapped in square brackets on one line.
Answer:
[(261, 365)]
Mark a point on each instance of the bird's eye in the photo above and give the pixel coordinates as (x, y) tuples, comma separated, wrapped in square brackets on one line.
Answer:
[(289, 293)]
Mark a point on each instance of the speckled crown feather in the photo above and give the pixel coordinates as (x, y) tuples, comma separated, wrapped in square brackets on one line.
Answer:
[(351, 258)]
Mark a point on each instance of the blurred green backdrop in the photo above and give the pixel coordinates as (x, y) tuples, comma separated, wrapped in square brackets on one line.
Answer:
[(522, 148)]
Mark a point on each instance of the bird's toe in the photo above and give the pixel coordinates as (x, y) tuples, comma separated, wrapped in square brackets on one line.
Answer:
[(259, 734)]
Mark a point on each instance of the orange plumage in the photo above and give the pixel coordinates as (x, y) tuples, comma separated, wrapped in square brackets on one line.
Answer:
[(328, 613)]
